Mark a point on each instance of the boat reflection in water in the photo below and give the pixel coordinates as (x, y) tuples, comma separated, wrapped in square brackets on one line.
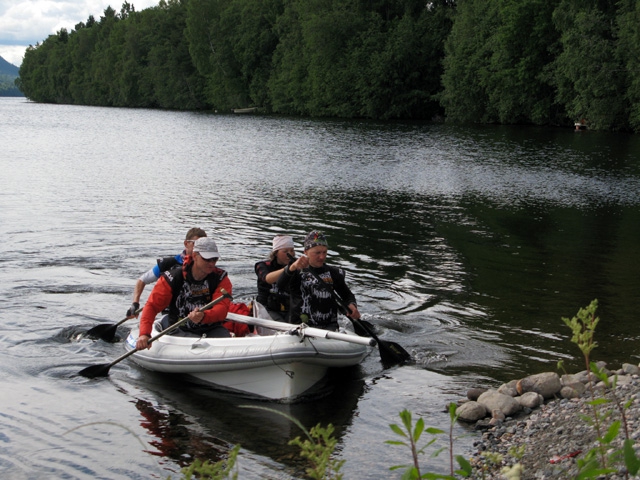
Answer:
[(188, 422)]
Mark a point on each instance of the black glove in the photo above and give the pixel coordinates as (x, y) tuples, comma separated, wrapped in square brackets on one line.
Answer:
[(133, 309)]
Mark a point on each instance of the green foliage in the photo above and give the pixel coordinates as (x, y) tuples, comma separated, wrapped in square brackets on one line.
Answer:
[(583, 327), (467, 51), (628, 53), (600, 460), (220, 470), (496, 53), (504, 61), (587, 73), (411, 435), (232, 43), (318, 447), (8, 86), (136, 59), (318, 450)]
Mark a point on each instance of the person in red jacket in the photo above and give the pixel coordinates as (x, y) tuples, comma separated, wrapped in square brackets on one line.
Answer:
[(184, 289)]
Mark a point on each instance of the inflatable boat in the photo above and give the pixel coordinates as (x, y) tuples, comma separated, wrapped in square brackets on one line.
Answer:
[(278, 361)]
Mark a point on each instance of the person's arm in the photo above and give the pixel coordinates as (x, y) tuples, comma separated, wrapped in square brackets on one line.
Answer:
[(145, 279), (158, 300), (265, 275), (137, 291), (273, 277), (345, 293), (290, 270)]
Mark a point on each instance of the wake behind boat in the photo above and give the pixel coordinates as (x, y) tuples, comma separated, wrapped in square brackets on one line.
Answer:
[(279, 361)]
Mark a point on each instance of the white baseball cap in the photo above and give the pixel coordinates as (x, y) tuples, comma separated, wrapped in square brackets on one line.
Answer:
[(206, 247)]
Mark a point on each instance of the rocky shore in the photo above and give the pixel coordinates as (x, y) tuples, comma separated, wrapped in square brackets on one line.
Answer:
[(543, 416)]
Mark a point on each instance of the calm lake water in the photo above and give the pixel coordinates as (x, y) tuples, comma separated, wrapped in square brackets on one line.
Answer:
[(466, 245)]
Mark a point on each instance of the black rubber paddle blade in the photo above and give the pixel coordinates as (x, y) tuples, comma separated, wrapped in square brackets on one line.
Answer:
[(392, 354), (104, 331), (95, 371)]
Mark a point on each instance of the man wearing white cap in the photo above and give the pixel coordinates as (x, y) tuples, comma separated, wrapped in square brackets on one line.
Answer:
[(268, 272), (184, 290)]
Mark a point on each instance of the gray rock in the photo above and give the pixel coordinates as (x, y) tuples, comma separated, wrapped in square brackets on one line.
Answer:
[(494, 400), (572, 391), (583, 376), (568, 379), (603, 366), (530, 400), (630, 369), (546, 384), (507, 389), (471, 411), (474, 393), (622, 380)]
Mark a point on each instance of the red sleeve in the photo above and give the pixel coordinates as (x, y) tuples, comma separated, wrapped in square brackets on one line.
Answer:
[(158, 300), (219, 311)]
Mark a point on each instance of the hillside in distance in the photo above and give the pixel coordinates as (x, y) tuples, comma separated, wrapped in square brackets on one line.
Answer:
[(7, 68)]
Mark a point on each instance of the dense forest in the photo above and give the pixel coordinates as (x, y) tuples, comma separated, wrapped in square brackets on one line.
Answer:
[(8, 75), (542, 62)]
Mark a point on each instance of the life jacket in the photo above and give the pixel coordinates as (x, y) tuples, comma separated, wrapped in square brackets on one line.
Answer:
[(270, 295), (189, 294), (208, 286)]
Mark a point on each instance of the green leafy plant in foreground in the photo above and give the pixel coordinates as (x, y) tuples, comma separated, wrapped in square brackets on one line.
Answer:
[(411, 435), (318, 448), (220, 470), (600, 460)]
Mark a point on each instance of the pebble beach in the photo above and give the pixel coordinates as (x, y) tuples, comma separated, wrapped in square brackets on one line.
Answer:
[(554, 436)]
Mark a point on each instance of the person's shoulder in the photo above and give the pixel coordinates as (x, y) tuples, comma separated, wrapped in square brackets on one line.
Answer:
[(172, 273), (168, 263), (335, 271), (219, 272)]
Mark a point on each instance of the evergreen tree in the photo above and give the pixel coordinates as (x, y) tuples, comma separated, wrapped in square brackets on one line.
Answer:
[(628, 53), (587, 73)]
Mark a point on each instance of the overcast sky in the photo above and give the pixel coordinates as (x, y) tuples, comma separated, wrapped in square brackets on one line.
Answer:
[(26, 22)]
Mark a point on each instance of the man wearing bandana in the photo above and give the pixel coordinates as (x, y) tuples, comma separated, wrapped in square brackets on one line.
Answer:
[(311, 302)]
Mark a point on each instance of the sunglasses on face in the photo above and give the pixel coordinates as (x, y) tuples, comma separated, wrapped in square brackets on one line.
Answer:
[(209, 260)]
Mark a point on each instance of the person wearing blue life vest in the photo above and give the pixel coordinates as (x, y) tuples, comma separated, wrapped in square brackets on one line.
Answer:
[(163, 265)]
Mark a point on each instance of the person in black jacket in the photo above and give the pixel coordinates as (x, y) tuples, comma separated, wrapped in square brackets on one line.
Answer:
[(310, 301), (268, 271)]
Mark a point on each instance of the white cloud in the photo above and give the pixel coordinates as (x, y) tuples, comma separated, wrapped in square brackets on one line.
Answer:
[(27, 22), (12, 53)]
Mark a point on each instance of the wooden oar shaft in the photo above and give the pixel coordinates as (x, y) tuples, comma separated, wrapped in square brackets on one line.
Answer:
[(304, 330), (129, 318)]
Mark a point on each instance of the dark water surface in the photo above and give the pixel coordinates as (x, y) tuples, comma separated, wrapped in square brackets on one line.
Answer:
[(466, 245)]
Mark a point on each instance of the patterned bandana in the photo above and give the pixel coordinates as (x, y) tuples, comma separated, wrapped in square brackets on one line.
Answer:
[(315, 239)]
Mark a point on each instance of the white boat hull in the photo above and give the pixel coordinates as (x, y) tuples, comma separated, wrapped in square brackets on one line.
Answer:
[(280, 366)]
